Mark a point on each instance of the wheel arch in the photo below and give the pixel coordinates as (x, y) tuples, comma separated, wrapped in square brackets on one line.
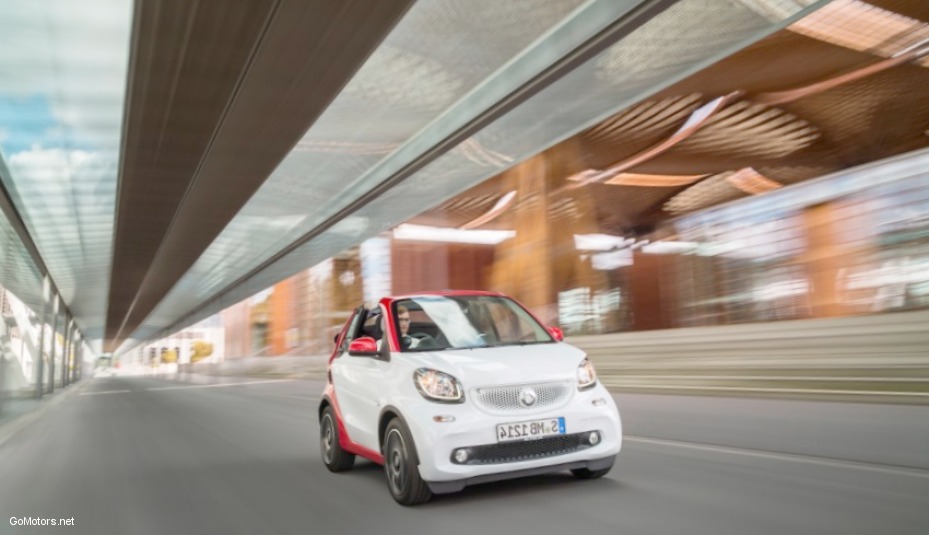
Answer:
[(388, 413), (323, 403)]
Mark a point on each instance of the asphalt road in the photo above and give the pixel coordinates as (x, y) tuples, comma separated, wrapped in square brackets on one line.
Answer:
[(151, 457)]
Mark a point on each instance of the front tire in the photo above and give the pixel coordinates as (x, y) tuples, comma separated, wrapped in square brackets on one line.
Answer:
[(334, 457), (401, 465)]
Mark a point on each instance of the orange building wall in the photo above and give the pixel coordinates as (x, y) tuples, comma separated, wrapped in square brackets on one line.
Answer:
[(282, 316), (425, 266)]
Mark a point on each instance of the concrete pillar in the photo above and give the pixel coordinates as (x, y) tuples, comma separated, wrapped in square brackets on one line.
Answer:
[(541, 260), (829, 254), (51, 357), (77, 355), (40, 357), (6, 331), (72, 356), (69, 345), (66, 352)]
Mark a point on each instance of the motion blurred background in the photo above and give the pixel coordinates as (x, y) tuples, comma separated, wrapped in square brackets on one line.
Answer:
[(724, 202)]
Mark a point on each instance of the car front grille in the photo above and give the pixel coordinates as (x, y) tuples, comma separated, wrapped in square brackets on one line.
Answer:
[(507, 399), (508, 452)]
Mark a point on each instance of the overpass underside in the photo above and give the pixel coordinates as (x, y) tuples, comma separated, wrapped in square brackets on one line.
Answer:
[(616, 166)]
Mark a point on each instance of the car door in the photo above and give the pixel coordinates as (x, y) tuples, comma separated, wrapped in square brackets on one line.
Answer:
[(358, 383), (344, 378)]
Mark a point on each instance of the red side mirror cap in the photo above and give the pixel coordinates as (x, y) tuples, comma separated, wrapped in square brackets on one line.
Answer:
[(556, 333), (363, 347)]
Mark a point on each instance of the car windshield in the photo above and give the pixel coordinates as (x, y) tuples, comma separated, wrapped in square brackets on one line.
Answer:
[(430, 323)]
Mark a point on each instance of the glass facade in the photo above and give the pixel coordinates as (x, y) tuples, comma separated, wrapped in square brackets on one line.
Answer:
[(63, 69), (853, 243)]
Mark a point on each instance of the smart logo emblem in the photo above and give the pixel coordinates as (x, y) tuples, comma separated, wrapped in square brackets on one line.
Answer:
[(528, 397)]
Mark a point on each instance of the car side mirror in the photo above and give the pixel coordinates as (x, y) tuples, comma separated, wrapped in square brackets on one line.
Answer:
[(556, 333), (335, 339), (363, 347)]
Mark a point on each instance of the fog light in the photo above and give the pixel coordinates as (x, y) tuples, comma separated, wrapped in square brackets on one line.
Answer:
[(461, 456), (594, 438), (443, 419), (599, 402)]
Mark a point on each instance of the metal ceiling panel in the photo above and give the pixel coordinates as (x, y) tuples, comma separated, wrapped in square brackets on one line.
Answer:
[(659, 51), (244, 82), (438, 53), (62, 81)]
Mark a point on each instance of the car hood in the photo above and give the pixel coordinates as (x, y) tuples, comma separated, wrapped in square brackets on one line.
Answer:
[(488, 366)]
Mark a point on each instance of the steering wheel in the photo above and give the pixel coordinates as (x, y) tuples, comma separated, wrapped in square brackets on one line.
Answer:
[(420, 336), (426, 341)]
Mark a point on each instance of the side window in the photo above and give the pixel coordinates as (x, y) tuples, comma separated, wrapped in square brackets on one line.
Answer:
[(373, 325), (352, 332), (415, 327)]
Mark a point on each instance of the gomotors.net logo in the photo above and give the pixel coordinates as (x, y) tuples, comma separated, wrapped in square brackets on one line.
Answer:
[(32, 521)]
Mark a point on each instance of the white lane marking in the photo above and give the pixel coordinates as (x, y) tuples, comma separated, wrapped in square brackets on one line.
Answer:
[(310, 398), (830, 378), (836, 392), (810, 459), (219, 385), (105, 392)]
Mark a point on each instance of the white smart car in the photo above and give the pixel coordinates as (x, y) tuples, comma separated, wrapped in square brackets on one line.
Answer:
[(450, 389)]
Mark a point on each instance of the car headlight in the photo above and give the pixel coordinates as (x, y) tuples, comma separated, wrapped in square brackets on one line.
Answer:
[(586, 375), (438, 386)]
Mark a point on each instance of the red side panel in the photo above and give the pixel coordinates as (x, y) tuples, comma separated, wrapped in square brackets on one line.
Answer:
[(344, 440)]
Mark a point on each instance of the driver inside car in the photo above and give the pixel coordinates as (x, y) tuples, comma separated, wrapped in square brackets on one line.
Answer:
[(403, 319)]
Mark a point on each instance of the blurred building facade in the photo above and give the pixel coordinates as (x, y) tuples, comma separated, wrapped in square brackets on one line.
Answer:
[(784, 182), (850, 244)]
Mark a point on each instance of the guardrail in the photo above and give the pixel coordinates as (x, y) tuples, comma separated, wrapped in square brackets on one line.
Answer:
[(880, 356)]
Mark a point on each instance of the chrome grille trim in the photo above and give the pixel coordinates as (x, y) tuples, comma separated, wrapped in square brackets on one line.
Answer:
[(506, 398)]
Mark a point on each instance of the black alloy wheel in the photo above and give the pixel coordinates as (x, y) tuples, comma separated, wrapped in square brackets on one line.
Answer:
[(401, 465), (334, 457)]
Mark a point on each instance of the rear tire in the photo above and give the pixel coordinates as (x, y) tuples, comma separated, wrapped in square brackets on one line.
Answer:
[(401, 465), (586, 473), (334, 457)]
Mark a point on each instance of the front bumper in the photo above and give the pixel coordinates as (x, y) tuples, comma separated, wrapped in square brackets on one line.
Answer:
[(471, 428), (445, 487)]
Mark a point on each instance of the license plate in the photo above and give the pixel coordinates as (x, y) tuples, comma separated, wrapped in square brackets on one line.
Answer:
[(530, 430)]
